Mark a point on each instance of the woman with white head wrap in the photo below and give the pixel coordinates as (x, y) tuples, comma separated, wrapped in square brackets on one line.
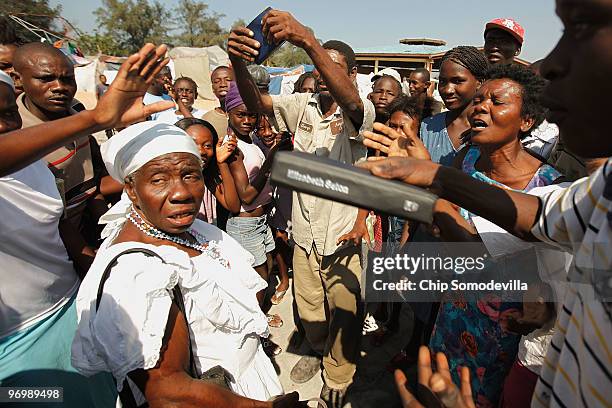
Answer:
[(137, 326), (39, 283)]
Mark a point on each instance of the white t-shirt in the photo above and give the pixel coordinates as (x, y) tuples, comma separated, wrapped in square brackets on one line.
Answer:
[(170, 116), (543, 139), (37, 276), (149, 99)]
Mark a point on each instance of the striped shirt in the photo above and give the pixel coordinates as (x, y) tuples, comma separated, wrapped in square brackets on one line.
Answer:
[(72, 164), (577, 370)]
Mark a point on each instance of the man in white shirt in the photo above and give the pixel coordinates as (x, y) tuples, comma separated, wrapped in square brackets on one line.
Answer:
[(156, 93)]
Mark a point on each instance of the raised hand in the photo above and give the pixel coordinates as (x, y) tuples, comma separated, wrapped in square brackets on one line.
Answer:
[(225, 150), (241, 44), (122, 104), (282, 26), (396, 144), (436, 389)]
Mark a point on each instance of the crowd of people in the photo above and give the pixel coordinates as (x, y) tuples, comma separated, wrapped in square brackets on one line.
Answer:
[(141, 271)]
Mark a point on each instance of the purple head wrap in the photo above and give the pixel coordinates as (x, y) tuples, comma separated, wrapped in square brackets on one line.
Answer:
[(233, 98)]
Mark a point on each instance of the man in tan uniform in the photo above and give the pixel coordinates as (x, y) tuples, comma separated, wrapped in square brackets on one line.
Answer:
[(326, 273)]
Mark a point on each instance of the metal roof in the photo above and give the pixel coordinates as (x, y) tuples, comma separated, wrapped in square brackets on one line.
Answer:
[(398, 48)]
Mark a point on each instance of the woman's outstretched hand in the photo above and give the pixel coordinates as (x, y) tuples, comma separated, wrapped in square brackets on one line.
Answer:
[(122, 104), (438, 388), (396, 144)]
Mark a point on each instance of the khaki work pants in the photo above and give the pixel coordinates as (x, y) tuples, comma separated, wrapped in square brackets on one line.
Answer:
[(327, 294)]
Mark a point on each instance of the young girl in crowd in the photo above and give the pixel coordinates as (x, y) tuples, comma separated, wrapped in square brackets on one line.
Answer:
[(280, 213), (217, 175), (462, 71), (250, 170)]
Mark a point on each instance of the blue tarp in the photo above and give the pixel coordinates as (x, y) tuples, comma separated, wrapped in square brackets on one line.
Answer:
[(280, 70), (277, 78)]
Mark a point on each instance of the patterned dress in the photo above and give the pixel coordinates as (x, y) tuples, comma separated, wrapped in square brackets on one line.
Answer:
[(472, 333)]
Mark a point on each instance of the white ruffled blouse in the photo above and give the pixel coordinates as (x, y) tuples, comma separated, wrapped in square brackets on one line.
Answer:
[(224, 317)]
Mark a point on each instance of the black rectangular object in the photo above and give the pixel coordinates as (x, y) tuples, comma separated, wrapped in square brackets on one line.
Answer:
[(266, 49), (336, 181)]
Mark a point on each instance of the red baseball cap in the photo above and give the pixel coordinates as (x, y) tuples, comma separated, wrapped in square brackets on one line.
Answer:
[(509, 25)]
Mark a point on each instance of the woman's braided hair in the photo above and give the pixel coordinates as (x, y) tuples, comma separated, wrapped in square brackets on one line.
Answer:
[(470, 58)]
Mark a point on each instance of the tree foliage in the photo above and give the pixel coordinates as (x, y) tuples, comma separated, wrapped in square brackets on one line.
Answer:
[(132, 23), (44, 18), (92, 44), (199, 27), (288, 55)]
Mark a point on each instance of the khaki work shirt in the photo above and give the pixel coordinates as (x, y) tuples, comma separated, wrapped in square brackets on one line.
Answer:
[(315, 220)]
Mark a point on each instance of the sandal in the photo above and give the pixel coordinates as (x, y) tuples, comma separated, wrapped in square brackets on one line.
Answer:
[(278, 296), (270, 348), (274, 320)]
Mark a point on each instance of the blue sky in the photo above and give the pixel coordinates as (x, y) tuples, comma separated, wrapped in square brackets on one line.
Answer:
[(360, 23)]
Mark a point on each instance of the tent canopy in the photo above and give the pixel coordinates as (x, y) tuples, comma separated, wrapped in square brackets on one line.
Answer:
[(197, 64)]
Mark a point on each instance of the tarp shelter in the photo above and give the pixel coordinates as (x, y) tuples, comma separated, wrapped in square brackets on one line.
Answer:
[(197, 64), (282, 79), (86, 76)]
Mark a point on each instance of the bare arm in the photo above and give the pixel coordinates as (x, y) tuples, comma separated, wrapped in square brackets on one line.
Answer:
[(226, 192), (240, 47), (453, 227), (513, 211), (247, 191), (119, 106), (81, 254), (109, 186), (169, 385), (183, 109), (282, 26)]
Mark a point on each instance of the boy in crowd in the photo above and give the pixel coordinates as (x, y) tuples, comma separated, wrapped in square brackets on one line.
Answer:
[(327, 123), (385, 89), (220, 78), (101, 87), (503, 40), (419, 82), (156, 93)]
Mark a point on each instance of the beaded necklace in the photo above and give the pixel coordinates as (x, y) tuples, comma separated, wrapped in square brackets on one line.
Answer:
[(202, 245)]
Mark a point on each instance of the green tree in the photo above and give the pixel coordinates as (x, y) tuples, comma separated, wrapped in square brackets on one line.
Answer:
[(239, 23), (39, 13), (132, 23), (288, 55), (92, 44), (197, 25)]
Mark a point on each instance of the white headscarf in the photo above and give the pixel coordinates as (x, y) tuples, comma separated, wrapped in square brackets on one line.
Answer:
[(4, 77), (131, 149), (138, 144)]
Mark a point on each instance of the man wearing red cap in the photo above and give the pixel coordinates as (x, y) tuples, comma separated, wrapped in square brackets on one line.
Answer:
[(503, 40)]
